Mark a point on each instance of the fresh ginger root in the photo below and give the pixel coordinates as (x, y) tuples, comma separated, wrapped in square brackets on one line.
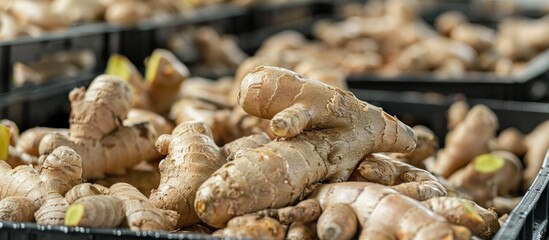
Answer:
[(17, 209), (384, 213), (44, 187), (252, 141), (537, 143), (305, 211), (8, 152), (427, 146), (469, 139), (511, 140), (302, 231), (489, 175), (161, 125), (95, 211), (13, 131), (482, 222), (141, 214), (163, 77), (30, 139), (413, 182), (338, 221), (192, 156), (85, 190), (263, 178), (96, 132), (252, 227)]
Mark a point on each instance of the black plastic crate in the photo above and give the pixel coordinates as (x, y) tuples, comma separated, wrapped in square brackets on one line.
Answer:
[(532, 84)]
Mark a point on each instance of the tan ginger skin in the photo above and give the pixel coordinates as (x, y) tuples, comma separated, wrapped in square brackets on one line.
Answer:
[(192, 156), (512, 140), (96, 132), (333, 150), (252, 227), (468, 140), (305, 211), (96, 211), (31, 138), (302, 231), (44, 187), (383, 213), (85, 190), (161, 124), (427, 146), (413, 182), (140, 213), (537, 143), (337, 221)]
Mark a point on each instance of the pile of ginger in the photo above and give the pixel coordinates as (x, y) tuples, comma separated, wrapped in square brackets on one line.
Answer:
[(390, 38), (271, 154)]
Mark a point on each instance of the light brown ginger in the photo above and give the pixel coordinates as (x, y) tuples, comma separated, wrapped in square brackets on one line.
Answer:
[(427, 146), (265, 177), (482, 222), (302, 231), (337, 221), (252, 227), (161, 124), (537, 143), (488, 175), (13, 131), (457, 113), (447, 21), (145, 177), (97, 211), (512, 140), (85, 190), (468, 140), (140, 213), (384, 213), (97, 134), (45, 186), (17, 209), (30, 139), (192, 156), (229, 150), (413, 182), (305, 211)]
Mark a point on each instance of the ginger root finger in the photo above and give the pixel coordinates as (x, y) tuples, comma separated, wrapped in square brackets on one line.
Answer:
[(17, 209), (305, 212), (302, 231), (537, 143), (84, 190), (337, 221), (95, 211), (427, 146), (253, 227)]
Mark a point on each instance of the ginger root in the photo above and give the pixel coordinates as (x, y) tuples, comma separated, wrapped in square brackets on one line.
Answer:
[(84, 190), (469, 139), (253, 227), (537, 143), (265, 177), (44, 187), (96, 132), (95, 211), (338, 221), (427, 146), (511, 140), (30, 139), (302, 231)]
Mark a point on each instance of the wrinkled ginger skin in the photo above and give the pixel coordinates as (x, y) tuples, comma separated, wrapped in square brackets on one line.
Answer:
[(85, 190), (192, 157), (98, 211), (44, 187), (468, 140), (141, 214), (413, 182), (31, 138), (96, 132), (383, 213), (267, 177), (17, 209), (482, 222)]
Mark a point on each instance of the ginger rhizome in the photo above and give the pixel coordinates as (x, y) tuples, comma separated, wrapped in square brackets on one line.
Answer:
[(537, 143), (96, 132), (383, 213), (192, 157), (411, 181), (469, 139), (346, 129), (44, 187), (252, 227), (95, 211), (427, 146)]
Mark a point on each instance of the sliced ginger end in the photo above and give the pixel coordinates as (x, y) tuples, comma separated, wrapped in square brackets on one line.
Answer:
[(74, 215), (152, 67), (488, 163), (4, 142), (118, 66)]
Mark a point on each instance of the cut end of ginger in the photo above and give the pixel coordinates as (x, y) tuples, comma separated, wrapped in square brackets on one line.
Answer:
[(152, 67), (4, 142), (118, 66), (74, 215), (488, 163)]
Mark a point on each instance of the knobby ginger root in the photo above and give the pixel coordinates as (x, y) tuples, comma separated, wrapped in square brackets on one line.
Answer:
[(488, 175), (95, 211), (512, 140), (161, 125), (338, 221), (17, 209), (427, 146), (346, 130), (84, 190), (30, 139), (192, 156), (302, 231), (413, 182), (253, 227), (457, 113), (305, 212), (537, 143), (45, 187), (383, 213), (142, 215), (251, 141), (468, 140), (482, 222), (96, 132)]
